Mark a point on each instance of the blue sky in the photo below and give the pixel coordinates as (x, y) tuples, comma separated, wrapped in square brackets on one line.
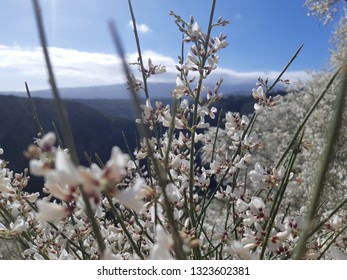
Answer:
[(262, 37)]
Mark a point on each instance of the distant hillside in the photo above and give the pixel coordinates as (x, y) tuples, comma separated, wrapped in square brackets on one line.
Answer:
[(97, 125), (120, 91), (93, 132), (113, 108), (125, 108)]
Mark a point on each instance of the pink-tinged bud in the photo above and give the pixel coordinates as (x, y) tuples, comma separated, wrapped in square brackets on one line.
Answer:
[(47, 141)]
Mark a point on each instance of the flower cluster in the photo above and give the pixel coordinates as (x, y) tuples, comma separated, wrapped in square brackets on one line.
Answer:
[(324, 9)]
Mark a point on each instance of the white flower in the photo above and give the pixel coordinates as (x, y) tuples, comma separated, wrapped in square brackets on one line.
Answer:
[(258, 174), (205, 111), (16, 228), (47, 141), (192, 63), (194, 31), (224, 194), (181, 88), (241, 205), (242, 253), (5, 183), (242, 163), (155, 69), (31, 197), (38, 167), (335, 223), (19, 225), (57, 190), (235, 124), (148, 114), (162, 245), (257, 206), (263, 101), (213, 62), (251, 140), (49, 212), (115, 167), (266, 178), (92, 178), (219, 44), (64, 255), (173, 193), (65, 171), (132, 196), (259, 93), (256, 212)]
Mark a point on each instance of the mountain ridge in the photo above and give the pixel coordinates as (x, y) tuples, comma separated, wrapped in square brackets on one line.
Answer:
[(120, 91)]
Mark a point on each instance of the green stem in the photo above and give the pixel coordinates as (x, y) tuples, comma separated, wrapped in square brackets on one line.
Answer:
[(319, 225), (65, 124), (35, 115), (277, 202), (195, 117), (144, 78), (144, 133), (215, 138), (62, 112), (285, 68)]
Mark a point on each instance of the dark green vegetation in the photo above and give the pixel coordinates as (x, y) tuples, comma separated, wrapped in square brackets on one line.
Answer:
[(93, 131), (97, 125)]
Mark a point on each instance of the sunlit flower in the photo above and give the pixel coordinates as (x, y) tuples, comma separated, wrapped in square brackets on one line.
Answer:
[(16, 227), (219, 44), (132, 196), (181, 88), (194, 31), (64, 172), (162, 245), (263, 100), (38, 167), (115, 167), (57, 190), (266, 178), (335, 223), (155, 69), (238, 249), (47, 142), (5, 182), (173, 193), (49, 212), (258, 93)]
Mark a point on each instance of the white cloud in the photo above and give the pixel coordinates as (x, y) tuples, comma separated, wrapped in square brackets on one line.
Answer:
[(72, 68), (141, 28), (233, 77), (75, 68)]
